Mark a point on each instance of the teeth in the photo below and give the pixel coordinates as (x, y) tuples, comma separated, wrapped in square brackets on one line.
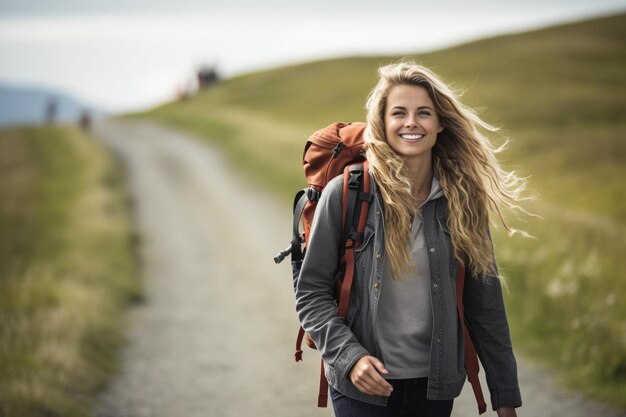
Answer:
[(411, 137)]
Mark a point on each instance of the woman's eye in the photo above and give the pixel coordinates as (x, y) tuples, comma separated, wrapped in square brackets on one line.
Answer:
[(398, 113), (424, 113)]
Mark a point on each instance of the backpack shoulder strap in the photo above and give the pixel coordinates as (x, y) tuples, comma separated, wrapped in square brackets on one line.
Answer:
[(356, 202)]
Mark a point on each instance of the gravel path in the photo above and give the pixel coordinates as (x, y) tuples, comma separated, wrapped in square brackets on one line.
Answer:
[(215, 335)]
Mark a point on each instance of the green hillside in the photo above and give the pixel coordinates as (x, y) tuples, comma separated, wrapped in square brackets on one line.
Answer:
[(559, 95)]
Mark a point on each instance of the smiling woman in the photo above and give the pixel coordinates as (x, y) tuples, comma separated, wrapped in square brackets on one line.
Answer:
[(435, 180)]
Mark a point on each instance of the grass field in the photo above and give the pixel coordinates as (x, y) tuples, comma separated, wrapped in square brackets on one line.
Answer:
[(559, 95), (67, 270)]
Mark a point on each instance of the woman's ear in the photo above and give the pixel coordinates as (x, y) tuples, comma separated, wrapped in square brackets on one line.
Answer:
[(440, 129)]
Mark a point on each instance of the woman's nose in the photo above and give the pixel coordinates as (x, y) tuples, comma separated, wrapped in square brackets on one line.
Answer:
[(410, 122)]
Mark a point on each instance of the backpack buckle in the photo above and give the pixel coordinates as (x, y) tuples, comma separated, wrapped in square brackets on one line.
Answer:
[(312, 194), (353, 181)]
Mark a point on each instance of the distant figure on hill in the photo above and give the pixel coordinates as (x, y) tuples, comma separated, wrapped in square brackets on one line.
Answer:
[(207, 76), (85, 120), (51, 111)]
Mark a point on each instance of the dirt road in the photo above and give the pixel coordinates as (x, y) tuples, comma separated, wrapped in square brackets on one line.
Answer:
[(215, 335)]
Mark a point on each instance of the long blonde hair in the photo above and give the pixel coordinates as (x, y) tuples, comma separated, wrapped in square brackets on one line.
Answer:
[(464, 161)]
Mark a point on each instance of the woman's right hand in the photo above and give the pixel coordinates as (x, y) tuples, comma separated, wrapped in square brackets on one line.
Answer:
[(366, 375)]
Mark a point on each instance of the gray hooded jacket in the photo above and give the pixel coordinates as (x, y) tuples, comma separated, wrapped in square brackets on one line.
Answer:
[(342, 342)]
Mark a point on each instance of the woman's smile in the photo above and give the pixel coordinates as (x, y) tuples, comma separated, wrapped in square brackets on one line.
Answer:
[(411, 137)]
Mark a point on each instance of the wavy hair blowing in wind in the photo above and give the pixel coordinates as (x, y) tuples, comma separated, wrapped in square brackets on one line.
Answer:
[(464, 161)]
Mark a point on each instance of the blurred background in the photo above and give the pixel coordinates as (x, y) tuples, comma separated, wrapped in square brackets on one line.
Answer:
[(117, 119)]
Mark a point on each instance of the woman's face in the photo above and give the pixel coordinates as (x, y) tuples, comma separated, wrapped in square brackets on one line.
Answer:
[(411, 123)]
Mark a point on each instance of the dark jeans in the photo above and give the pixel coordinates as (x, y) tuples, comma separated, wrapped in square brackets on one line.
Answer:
[(408, 399)]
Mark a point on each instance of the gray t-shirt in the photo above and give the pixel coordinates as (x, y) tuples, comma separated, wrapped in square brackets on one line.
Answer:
[(405, 318)]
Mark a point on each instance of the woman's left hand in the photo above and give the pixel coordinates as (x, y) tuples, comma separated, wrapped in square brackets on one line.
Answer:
[(506, 412)]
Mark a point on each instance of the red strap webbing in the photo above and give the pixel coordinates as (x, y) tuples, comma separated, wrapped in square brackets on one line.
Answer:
[(322, 397), (346, 285), (344, 201), (471, 358), (365, 204), (299, 352)]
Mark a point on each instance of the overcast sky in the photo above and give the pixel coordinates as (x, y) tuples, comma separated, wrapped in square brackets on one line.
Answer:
[(133, 54)]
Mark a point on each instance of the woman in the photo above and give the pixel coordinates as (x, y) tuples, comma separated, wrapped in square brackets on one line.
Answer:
[(400, 350)]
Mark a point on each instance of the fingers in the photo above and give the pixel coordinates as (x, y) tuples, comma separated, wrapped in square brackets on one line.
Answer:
[(366, 376), (380, 367)]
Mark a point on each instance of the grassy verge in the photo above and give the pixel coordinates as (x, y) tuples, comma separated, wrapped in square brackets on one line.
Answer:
[(66, 270), (559, 94), (563, 301)]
